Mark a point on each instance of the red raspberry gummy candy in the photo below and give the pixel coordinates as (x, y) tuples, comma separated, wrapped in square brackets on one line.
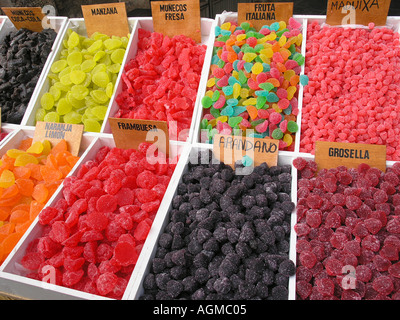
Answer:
[(106, 282), (125, 252)]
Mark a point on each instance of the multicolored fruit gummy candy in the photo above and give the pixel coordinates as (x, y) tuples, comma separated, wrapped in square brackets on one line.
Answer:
[(353, 94), (348, 231), (82, 80), (161, 82), (29, 177), (94, 233), (254, 82)]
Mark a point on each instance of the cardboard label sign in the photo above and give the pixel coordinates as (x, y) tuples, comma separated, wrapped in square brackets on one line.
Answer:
[(260, 14), (229, 149), (173, 18), (54, 132), (107, 18), (129, 133), (333, 154), (25, 17), (357, 12)]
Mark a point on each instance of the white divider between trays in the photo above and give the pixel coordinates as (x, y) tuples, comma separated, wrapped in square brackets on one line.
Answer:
[(12, 274), (146, 23), (78, 25), (59, 25), (161, 221)]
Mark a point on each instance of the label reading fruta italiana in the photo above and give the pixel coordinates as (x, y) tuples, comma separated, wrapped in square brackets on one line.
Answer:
[(230, 149), (130, 133), (333, 154), (260, 14), (173, 18), (54, 132), (107, 18), (357, 12)]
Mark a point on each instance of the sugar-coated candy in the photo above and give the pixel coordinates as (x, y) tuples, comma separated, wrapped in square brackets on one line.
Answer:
[(23, 54), (352, 93), (161, 81), (227, 236), (263, 72), (30, 176), (97, 229), (346, 245), (81, 81)]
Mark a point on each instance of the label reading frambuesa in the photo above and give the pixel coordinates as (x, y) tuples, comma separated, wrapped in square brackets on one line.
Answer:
[(173, 18), (351, 155), (130, 133), (229, 149), (260, 14), (54, 132), (107, 18), (360, 12), (25, 17)]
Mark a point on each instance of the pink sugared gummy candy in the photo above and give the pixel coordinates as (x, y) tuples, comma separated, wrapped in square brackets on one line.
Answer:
[(353, 90)]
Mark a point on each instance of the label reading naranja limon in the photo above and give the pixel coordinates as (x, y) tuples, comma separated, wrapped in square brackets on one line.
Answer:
[(54, 132)]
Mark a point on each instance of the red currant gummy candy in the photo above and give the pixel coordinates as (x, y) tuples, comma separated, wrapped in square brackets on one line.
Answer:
[(383, 285), (308, 259)]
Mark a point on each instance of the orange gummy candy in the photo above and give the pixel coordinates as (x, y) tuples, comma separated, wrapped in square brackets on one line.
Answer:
[(40, 193), (25, 186), (25, 144), (59, 147), (29, 176)]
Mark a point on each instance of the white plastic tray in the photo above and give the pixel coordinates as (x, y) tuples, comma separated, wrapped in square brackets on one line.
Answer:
[(232, 16), (12, 274), (78, 25), (162, 220), (59, 24)]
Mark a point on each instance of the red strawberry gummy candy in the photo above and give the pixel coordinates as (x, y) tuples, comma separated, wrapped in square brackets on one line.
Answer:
[(106, 282), (125, 252)]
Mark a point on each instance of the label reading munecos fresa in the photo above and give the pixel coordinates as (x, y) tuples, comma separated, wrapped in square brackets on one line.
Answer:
[(173, 11)]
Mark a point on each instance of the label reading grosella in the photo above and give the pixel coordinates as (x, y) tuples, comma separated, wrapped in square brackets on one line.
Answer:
[(230, 149), (173, 18), (333, 154)]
